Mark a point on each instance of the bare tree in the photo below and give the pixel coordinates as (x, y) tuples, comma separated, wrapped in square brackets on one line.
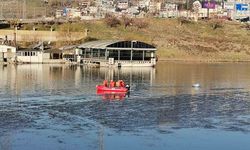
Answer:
[(126, 21), (140, 23), (112, 21)]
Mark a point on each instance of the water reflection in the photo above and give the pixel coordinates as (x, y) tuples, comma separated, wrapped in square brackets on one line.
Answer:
[(23, 78), (177, 78), (109, 96)]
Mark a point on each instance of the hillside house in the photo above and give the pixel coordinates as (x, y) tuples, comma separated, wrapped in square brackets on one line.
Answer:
[(122, 4)]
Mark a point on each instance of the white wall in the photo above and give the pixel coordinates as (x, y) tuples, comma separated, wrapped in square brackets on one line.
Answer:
[(31, 59), (28, 59), (3, 49)]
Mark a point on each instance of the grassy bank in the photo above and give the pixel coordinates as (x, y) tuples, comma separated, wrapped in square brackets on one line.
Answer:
[(203, 41), (177, 39)]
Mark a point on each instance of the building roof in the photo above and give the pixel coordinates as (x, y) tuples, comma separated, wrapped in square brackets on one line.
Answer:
[(28, 50), (100, 44), (53, 51), (68, 47), (117, 44)]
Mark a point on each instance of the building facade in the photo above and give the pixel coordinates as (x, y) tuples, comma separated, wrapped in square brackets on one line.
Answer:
[(117, 53), (7, 53)]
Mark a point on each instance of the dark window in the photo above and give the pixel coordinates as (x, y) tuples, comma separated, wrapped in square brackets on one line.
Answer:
[(87, 52), (147, 55), (137, 55), (102, 52), (127, 44), (95, 52), (113, 54), (125, 55)]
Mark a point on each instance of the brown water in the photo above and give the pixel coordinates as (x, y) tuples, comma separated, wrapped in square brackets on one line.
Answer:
[(56, 107)]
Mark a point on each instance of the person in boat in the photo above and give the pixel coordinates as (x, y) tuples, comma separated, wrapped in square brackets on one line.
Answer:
[(112, 83), (122, 84), (105, 83), (118, 83)]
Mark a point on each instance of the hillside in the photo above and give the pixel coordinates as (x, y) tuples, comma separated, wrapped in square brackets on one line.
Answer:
[(176, 40)]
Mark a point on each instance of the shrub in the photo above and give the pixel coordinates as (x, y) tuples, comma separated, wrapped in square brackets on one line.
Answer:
[(246, 26), (140, 24), (216, 23), (112, 21), (71, 27), (88, 39), (126, 21), (183, 20)]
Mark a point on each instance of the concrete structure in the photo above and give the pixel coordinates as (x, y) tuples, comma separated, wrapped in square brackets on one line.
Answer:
[(7, 53), (117, 53), (39, 54), (169, 10), (59, 13), (28, 36), (154, 7), (30, 56), (144, 3), (122, 4), (84, 4)]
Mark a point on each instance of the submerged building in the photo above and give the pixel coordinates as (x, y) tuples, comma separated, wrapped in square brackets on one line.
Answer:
[(117, 53)]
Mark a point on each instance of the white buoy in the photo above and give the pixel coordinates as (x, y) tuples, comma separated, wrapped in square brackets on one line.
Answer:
[(196, 85)]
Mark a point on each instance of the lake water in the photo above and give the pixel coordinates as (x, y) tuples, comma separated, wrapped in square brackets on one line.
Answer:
[(56, 107)]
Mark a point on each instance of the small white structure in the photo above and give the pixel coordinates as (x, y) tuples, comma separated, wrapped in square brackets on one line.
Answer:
[(59, 13), (93, 10), (7, 53), (39, 54), (30, 56), (169, 10), (154, 7), (144, 3), (122, 4), (73, 13)]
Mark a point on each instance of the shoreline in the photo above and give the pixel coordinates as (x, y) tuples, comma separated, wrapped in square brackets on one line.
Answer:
[(188, 61), (203, 61)]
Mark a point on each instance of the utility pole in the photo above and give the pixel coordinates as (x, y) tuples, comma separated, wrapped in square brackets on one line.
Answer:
[(207, 13), (208, 5), (24, 9), (1, 16), (187, 7)]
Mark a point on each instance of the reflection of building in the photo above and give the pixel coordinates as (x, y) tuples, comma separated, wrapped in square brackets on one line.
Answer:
[(118, 53), (129, 75), (22, 77)]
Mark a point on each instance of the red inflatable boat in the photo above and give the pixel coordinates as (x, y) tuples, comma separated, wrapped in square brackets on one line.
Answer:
[(111, 95), (109, 89)]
